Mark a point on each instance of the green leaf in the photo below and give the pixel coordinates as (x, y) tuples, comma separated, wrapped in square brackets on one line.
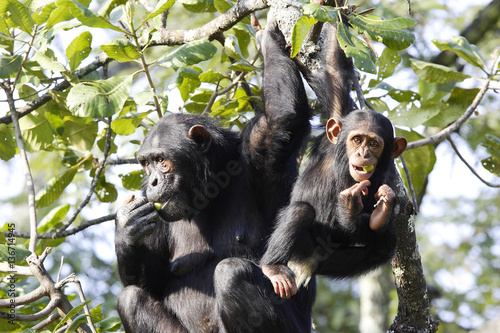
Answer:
[(99, 99), (13, 252), (407, 114), (19, 14), (80, 133), (128, 125), (199, 6), (222, 6), (108, 7), (144, 97), (42, 14), (76, 323), (242, 66), (61, 13), (86, 16), (79, 49), (55, 187), (462, 48), (211, 77), (427, 71), (188, 54), (121, 49), (363, 56), (7, 143), (36, 132), (299, 33), (132, 181), (105, 192), (70, 314), (388, 61), (49, 63), (453, 107), (390, 32), (420, 162), (317, 11), (232, 48), (161, 7), (9, 66), (53, 219), (492, 163), (111, 324)]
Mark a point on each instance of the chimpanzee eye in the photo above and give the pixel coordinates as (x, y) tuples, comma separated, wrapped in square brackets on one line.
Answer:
[(357, 140), (374, 144)]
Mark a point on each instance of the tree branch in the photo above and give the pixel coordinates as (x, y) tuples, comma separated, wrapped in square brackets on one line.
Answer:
[(209, 30), (93, 185), (435, 139), (470, 166), (19, 270), (24, 158), (72, 231), (33, 317), (25, 299)]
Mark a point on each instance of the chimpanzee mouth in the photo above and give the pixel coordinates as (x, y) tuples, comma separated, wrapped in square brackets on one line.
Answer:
[(364, 169)]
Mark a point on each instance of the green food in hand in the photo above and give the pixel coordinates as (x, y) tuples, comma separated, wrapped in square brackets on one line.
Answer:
[(158, 205)]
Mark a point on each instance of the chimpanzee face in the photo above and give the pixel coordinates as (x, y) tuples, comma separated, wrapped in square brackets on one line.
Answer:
[(364, 149), (172, 160)]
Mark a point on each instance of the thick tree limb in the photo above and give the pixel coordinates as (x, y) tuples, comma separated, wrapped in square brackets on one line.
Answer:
[(211, 29)]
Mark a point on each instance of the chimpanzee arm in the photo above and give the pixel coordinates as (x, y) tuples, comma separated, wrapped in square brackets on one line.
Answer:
[(291, 240), (274, 138), (134, 221), (332, 81), (358, 259), (292, 234)]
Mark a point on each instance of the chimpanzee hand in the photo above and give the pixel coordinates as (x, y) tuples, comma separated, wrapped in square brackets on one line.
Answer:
[(383, 211), (350, 199), (282, 279), (135, 220)]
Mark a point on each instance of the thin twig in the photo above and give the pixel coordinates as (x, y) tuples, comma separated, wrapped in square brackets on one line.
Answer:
[(410, 184), (60, 269), (72, 231), (445, 133), (33, 317), (217, 92), (47, 321), (93, 185), (25, 299), (470, 166), (27, 171)]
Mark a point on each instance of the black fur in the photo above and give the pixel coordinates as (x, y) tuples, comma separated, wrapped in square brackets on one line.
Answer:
[(312, 231), (196, 273), (312, 226)]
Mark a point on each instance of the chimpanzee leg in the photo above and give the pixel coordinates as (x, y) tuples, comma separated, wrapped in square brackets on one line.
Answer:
[(142, 313), (245, 301)]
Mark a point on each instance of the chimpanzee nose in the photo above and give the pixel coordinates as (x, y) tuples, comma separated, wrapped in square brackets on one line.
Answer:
[(154, 182)]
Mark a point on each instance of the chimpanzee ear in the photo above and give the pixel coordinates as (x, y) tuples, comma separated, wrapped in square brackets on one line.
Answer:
[(400, 144), (201, 136), (333, 127)]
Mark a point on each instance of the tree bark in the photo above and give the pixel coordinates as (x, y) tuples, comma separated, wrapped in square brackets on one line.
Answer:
[(413, 302)]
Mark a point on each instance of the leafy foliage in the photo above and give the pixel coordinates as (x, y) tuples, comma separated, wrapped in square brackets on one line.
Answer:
[(48, 48)]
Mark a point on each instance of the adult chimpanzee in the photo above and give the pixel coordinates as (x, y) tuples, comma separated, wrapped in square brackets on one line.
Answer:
[(191, 269), (339, 221)]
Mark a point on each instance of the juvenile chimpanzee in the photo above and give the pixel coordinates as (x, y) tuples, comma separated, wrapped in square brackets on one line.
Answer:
[(192, 269), (339, 221)]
